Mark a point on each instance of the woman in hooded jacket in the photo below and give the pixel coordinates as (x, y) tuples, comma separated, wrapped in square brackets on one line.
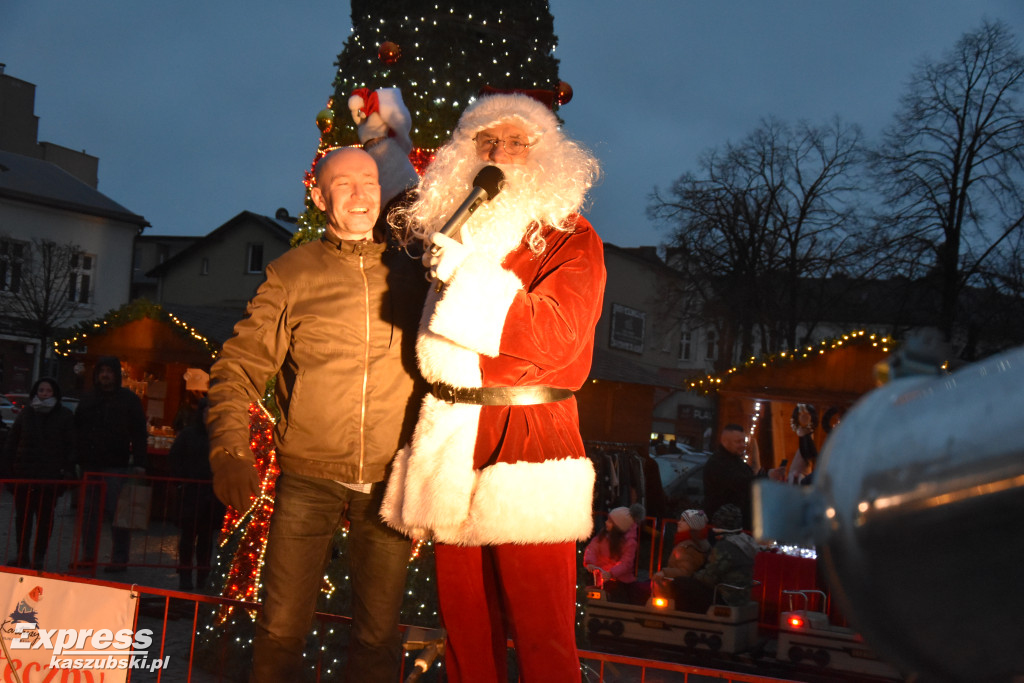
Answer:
[(40, 446)]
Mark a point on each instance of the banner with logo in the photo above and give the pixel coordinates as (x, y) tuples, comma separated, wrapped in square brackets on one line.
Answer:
[(53, 630)]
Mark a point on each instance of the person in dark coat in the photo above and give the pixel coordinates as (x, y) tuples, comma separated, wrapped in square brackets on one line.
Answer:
[(201, 512), (40, 445), (730, 471), (110, 431)]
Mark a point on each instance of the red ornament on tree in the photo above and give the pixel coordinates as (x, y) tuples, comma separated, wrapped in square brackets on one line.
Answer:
[(389, 52), (564, 93)]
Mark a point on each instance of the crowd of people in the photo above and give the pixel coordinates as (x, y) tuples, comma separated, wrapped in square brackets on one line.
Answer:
[(50, 452)]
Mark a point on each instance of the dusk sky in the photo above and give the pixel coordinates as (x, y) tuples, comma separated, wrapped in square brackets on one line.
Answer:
[(199, 110)]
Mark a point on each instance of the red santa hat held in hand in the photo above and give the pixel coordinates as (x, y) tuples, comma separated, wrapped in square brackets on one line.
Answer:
[(384, 123)]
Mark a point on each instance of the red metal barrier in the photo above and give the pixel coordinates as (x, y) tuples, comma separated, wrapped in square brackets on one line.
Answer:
[(177, 619), (65, 506)]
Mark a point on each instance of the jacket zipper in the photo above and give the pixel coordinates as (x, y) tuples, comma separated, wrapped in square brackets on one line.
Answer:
[(366, 364)]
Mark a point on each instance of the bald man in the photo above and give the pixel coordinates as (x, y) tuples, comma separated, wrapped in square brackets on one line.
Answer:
[(335, 322)]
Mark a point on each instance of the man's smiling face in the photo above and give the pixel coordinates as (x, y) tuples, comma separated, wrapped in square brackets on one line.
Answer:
[(348, 192)]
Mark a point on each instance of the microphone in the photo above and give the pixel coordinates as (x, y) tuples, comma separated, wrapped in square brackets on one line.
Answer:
[(486, 186)]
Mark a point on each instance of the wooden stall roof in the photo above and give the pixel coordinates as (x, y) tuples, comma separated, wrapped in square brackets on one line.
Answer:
[(832, 372), (149, 341), (143, 332)]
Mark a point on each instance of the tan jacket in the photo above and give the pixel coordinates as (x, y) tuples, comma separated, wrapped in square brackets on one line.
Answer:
[(336, 323), (687, 557)]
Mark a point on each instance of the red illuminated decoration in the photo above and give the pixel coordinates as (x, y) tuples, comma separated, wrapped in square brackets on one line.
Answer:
[(242, 580), (796, 621), (421, 158), (564, 93), (389, 52)]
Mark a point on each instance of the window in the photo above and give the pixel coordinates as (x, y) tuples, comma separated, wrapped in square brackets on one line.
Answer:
[(685, 346), (80, 277), (711, 352), (255, 258), (12, 259), (627, 329), (204, 266)]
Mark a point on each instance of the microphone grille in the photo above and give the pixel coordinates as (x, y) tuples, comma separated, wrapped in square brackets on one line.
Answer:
[(489, 180)]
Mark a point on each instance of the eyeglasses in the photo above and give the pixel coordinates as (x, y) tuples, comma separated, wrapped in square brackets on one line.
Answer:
[(512, 147)]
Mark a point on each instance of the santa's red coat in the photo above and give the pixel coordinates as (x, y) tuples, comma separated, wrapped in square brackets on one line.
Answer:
[(487, 475)]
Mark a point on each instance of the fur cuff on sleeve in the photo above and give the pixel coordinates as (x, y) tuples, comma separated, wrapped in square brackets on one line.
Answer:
[(476, 300)]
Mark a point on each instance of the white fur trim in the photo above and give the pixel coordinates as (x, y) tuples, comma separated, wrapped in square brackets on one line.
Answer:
[(490, 110), (442, 360), (524, 502), (438, 472), (394, 498), (474, 305), (354, 104), (394, 169), (546, 502), (394, 112)]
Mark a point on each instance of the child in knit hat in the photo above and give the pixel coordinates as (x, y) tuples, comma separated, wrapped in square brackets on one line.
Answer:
[(692, 547), (611, 554), (731, 561)]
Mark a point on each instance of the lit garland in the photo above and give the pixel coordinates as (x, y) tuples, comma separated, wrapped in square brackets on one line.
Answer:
[(753, 428), (710, 383), (131, 312), (243, 577)]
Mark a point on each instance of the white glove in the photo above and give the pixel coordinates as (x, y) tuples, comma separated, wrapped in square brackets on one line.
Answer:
[(446, 255)]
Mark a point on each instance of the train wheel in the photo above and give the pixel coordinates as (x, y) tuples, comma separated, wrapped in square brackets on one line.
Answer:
[(594, 626), (795, 653), (715, 643), (617, 628), (691, 639), (822, 658)]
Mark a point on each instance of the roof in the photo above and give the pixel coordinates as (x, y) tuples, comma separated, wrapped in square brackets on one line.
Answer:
[(647, 255), (35, 181), (281, 228), (611, 367), (216, 323)]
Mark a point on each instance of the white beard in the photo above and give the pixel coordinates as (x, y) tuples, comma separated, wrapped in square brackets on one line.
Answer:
[(499, 226)]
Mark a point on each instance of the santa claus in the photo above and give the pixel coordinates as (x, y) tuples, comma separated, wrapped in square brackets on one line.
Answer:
[(496, 472)]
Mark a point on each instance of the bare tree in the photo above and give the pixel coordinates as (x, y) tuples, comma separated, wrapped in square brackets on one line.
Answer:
[(42, 297), (764, 216), (950, 169)]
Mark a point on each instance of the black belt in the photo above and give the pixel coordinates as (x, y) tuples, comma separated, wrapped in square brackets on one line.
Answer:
[(499, 396)]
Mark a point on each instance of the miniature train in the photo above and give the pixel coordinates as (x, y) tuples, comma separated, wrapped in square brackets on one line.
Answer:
[(805, 639)]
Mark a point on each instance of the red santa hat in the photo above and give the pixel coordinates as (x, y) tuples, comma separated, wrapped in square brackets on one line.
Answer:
[(362, 103), (495, 107)]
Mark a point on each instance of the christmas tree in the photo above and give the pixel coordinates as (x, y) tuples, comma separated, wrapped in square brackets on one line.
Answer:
[(440, 57)]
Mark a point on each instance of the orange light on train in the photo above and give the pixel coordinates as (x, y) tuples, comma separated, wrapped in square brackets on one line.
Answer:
[(796, 621), (659, 602)]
